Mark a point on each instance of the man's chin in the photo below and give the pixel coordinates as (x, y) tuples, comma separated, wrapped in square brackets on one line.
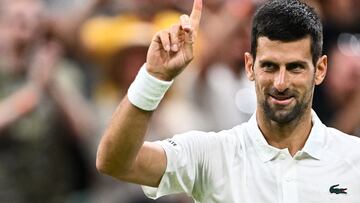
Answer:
[(282, 114), (281, 110), (282, 117)]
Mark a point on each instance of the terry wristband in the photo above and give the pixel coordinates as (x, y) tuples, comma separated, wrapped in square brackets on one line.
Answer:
[(146, 91)]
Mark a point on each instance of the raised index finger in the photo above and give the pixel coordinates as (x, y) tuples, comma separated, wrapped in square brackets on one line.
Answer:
[(195, 15)]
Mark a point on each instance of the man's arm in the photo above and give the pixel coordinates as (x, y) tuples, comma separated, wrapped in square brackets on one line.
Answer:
[(122, 152), (19, 104)]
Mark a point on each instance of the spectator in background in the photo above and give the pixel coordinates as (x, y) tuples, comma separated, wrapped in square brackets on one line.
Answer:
[(43, 116), (337, 100)]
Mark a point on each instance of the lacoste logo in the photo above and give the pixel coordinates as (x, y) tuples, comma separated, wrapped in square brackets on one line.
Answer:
[(334, 189)]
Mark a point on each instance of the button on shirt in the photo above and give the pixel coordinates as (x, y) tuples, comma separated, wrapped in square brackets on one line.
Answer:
[(238, 165)]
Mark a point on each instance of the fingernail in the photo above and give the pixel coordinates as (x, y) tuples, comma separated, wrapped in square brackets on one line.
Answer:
[(167, 48), (187, 27), (175, 47)]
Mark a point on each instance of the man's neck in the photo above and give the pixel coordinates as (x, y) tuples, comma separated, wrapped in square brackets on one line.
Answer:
[(292, 135)]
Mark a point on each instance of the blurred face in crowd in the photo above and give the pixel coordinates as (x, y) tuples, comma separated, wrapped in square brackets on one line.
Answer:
[(344, 72), (21, 18), (284, 75)]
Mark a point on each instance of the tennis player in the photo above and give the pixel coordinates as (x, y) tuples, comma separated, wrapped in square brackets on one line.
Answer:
[(282, 154)]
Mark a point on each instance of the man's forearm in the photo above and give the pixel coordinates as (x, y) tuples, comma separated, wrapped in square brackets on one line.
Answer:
[(18, 104), (123, 139), (75, 109)]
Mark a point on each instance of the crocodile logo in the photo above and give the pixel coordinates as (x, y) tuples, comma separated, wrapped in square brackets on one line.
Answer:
[(334, 189)]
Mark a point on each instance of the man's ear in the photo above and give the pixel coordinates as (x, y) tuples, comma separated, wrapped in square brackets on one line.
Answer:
[(249, 64), (321, 68)]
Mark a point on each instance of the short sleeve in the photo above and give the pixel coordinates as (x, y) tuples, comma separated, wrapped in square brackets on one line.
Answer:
[(185, 155)]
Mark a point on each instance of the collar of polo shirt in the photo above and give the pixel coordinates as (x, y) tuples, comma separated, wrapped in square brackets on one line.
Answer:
[(313, 147)]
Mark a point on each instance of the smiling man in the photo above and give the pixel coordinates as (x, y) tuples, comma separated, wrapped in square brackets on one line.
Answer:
[(282, 154), (285, 75)]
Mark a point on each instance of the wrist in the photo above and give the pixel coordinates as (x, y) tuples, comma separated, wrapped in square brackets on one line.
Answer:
[(147, 90), (158, 75)]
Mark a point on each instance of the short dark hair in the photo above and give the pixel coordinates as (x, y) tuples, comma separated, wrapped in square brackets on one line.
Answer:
[(287, 20)]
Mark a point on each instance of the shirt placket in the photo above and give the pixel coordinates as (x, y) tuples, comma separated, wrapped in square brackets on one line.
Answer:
[(287, 174)]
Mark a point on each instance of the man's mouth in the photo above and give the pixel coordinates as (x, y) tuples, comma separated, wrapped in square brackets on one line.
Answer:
[(281, 99)]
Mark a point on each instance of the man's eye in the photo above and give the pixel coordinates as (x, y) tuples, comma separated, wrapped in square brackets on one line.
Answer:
[(268, 66), (295, 67)]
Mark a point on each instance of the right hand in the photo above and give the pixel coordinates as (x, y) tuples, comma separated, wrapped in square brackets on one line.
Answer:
[(171, 50)]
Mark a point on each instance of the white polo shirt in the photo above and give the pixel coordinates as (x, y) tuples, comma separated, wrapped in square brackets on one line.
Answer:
[(238, 165)]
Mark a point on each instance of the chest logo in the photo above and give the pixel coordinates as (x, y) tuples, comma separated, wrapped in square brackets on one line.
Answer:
[(334, 189)]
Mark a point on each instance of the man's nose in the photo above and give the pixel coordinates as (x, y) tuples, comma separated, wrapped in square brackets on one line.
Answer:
[(280, 80)]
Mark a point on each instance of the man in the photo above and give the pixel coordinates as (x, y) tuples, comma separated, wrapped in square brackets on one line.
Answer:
[(282, 154)]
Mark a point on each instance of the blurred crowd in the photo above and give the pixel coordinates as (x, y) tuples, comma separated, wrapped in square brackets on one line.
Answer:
[(65, 65)]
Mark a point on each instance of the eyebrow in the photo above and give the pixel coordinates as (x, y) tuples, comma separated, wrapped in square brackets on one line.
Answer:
[(303, 63), (267, 61)]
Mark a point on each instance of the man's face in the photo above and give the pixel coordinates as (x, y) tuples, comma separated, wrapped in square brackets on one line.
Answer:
[(284, 76), (22, 18)]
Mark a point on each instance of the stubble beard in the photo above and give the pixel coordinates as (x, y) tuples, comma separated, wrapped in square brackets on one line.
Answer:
[(286, 115), (283, 117)]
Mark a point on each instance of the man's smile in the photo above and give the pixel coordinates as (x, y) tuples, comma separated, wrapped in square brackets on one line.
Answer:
[(281, 100)]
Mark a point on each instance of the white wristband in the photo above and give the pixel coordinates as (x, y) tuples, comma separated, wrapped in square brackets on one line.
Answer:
[(146, 91)]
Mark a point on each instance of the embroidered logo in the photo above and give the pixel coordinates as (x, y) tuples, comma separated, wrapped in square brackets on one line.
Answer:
[(334, 189)]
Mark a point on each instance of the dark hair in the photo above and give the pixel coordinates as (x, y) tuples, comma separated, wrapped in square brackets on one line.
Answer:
[(287, 20)]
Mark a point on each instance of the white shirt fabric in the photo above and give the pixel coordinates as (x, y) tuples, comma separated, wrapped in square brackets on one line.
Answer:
[(238, 165)]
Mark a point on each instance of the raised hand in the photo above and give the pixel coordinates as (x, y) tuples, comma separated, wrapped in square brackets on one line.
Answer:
[(44, 64), (171, 50)]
